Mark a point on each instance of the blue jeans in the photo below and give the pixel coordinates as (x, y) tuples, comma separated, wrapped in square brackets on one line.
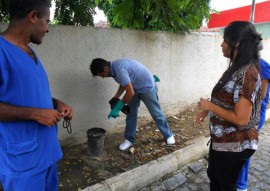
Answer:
[(150, 100)]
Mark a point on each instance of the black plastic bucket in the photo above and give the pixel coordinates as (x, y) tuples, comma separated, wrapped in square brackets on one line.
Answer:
[(95, 141)]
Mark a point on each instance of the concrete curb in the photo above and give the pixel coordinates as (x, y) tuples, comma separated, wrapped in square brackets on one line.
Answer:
[(151, 172)]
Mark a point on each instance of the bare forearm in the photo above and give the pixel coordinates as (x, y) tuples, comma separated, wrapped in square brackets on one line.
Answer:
[(240, 115), (15, 113), (129, 93), (230, 116), (48, 117), (119, 92)]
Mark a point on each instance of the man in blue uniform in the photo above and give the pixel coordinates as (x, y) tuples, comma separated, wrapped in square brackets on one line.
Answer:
[(29, 146), (242, 182), (138, 84)]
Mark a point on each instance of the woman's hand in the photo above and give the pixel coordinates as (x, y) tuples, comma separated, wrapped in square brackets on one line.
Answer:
[(200, 118), (204, 104)]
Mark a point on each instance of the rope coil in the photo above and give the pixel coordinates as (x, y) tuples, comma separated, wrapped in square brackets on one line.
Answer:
[(67, 125)]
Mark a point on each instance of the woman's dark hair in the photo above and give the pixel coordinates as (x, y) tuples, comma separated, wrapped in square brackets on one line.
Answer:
[(243, 41), (97, 65), (18, 9)]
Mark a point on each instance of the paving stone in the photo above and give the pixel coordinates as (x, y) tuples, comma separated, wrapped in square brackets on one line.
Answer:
[(190, 175), (267, 173), (205, 187), (147, 189), (262, 162), (198, 180), (253, 189), (195, 167), (204, 176), (259, 167), (170, 183), (182, 189), (263, 186), (265, 148), (159, 188), (252, 178), (180, 179), (156, 184), (193, 187)]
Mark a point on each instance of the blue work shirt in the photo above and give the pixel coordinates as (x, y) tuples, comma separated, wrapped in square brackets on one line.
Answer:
[(125, 71), (265, 75), (26, 147)]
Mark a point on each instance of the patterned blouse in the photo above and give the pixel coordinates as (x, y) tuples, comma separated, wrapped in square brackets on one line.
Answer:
[(227, 136)]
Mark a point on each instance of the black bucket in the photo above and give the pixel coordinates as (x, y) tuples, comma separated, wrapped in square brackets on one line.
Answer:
[(95, 140)]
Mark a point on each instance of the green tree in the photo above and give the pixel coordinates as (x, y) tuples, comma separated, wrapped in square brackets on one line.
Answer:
[(4, 16), (78, 13), (67, 12), (166, 15)]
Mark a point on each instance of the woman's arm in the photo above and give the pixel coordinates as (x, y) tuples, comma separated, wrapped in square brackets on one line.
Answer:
[(239, 116)]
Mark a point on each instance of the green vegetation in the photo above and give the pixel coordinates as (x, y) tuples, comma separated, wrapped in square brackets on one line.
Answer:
[(164, 15)]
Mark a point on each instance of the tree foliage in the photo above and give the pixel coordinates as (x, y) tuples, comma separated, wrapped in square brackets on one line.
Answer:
[(4, 17), (67, 12), (78, 13), (166, 15)]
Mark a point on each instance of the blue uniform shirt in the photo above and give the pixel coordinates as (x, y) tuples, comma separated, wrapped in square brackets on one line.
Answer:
[(26, 147), (125, 71), (265, 75)]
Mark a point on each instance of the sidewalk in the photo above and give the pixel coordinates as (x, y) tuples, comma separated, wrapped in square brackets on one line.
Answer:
[(185, 170), (193, 177)]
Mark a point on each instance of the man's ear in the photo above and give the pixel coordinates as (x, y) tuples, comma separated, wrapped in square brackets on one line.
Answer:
[(32, 16)]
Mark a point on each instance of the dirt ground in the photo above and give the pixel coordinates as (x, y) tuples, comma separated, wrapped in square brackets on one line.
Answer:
[(77, 170)]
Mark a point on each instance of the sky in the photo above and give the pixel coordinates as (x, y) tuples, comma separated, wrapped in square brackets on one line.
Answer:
[(218, 5)]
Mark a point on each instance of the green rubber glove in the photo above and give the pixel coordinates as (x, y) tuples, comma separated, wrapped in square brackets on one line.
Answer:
[(156, 78), (115, 111)]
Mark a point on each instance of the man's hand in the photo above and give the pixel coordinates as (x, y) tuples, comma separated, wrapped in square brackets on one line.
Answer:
[(48, 117), (64, 109), (113, 103), (115, 111)]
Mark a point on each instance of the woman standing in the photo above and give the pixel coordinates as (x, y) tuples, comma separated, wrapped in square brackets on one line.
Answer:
[(234, 108)]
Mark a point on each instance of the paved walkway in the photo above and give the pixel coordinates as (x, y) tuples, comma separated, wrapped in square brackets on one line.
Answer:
[(194, 177)]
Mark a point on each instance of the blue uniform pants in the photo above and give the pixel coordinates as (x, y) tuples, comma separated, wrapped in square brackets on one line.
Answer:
[(46, 180), (242, 182)]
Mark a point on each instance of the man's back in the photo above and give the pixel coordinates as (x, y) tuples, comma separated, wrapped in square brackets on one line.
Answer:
[(125, 71)]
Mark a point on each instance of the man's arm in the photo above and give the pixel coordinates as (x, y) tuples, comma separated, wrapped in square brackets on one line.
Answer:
[(119, 91), (15, 113), (121, 103), (129, 93)]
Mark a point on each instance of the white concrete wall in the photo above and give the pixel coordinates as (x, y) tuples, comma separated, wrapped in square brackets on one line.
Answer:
[(188, 66)]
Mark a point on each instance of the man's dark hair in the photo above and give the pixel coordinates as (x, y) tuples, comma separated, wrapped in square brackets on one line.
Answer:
[(97, 65), (18, 9)]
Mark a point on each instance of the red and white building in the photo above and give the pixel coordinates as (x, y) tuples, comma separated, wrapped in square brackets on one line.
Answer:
[(223, 18)]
